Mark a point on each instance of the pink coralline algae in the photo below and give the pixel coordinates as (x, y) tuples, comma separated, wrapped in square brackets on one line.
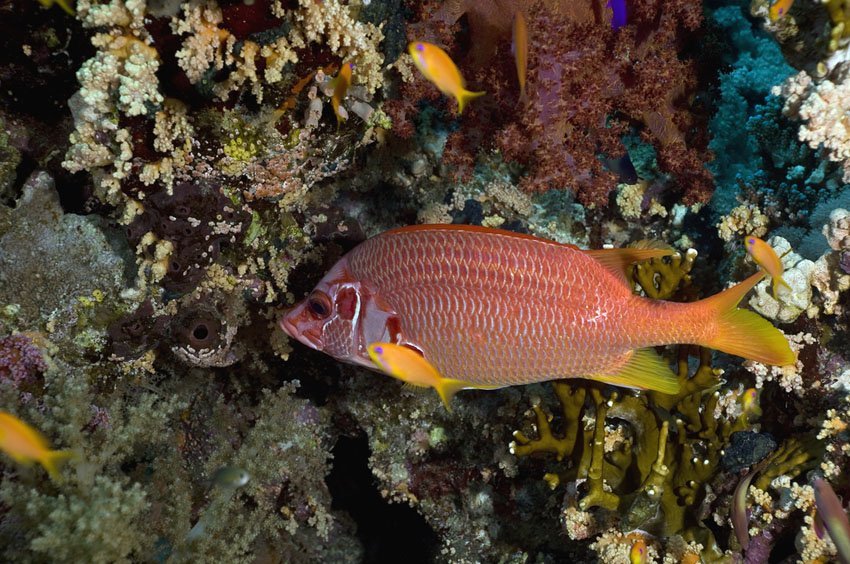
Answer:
[(20, 359)]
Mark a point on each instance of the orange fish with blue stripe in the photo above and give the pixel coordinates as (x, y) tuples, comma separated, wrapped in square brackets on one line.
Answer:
[(491, 308), (411, 367), (439, 68), (779, 9), (639, 552)]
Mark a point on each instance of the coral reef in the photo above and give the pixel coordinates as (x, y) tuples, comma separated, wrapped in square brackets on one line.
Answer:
[(173, 175)]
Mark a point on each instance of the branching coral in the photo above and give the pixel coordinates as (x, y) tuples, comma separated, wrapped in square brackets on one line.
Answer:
[(649, 481), (661, 278), (821, 106), (209, 47), (119, 80)]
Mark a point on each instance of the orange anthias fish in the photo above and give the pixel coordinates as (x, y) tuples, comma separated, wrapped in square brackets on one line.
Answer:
[(766, 258), (638, 553), (411, 367), (520, 49), (491, 308), (26, 445), (340, 86), (779, 9), (439, 68)]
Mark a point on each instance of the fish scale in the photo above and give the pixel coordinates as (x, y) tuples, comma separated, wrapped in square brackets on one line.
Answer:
[(498, 298)]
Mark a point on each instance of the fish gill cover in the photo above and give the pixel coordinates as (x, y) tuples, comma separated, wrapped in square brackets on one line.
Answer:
[(173, 175)]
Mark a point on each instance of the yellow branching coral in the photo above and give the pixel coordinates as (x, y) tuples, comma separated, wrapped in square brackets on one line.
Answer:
[(839, 13), (661, 278), (669, 447)]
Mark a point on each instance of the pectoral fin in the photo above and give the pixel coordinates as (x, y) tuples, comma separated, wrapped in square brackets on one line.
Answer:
[(644, 370)]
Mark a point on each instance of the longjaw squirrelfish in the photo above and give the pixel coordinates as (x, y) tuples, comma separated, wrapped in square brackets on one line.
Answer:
[(490, 308)]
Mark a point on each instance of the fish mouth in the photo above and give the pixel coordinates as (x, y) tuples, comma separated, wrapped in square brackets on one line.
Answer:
[(289, 327), (309, 337)]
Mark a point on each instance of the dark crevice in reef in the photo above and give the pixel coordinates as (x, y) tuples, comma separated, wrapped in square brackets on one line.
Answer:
[(389, 532)]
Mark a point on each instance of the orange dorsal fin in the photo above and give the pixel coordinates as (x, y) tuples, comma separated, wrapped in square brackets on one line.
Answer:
[(617, 261)]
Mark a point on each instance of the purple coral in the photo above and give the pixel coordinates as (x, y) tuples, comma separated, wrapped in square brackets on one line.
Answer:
[(590, 83), (20, 359)]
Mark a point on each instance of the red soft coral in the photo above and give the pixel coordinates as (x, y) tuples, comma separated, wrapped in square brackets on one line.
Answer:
[(588, 85)]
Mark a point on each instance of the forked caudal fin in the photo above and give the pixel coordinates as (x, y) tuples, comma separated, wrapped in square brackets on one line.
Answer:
[(745, 333), (464, 96)]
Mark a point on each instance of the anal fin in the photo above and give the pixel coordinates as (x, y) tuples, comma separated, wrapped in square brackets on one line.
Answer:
[(644, 370)]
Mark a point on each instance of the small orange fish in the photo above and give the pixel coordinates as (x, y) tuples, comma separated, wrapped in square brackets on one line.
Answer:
[(637, 555), (520, 49), (779, 9), (439, 68), (340, 85), (767, 259), (26, 445), (411, 367), (750, 403)]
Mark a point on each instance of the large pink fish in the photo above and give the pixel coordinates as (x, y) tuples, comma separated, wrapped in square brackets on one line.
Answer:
[(490, 308)]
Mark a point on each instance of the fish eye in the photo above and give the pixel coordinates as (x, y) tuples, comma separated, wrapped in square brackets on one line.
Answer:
[(319, 304), (751, 241), (420, 47)]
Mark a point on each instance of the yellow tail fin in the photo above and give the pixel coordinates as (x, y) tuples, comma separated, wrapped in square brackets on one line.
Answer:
[(464, 96), (50, 460), (745, 333)]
